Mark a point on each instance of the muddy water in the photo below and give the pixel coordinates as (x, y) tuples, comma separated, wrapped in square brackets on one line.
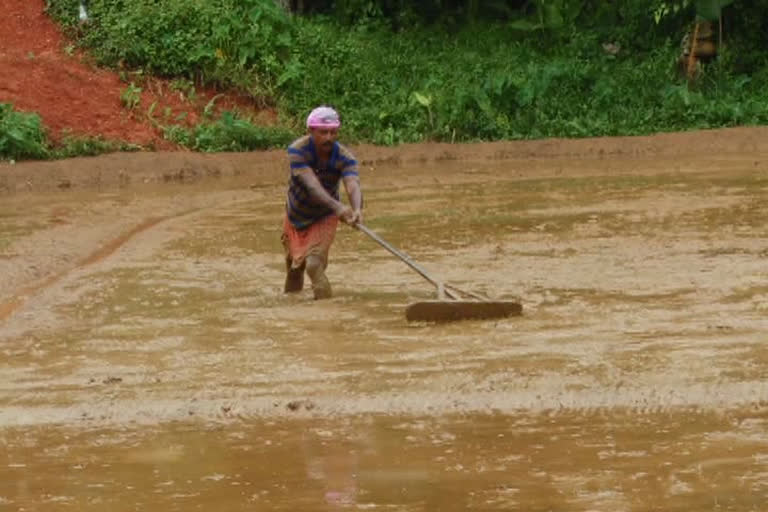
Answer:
[(565, 461), (165, 369)]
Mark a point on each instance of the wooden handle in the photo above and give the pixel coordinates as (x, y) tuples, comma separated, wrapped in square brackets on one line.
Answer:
[(408, 261)]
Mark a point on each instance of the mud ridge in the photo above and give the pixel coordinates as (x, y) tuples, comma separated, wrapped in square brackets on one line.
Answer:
[(8, 307)]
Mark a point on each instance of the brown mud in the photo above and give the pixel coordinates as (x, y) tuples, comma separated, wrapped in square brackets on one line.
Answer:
[(151, 362)]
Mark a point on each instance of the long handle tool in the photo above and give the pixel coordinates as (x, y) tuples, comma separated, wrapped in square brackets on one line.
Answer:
[(452, 303)]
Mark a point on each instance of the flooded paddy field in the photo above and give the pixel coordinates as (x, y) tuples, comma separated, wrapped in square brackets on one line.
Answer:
[(150, 361)]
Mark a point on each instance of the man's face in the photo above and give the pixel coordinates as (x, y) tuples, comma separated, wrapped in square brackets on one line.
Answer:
[(324, 137)]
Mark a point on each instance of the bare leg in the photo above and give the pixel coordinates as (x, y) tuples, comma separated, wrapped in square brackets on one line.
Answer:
[(316, 270), (294, 278)]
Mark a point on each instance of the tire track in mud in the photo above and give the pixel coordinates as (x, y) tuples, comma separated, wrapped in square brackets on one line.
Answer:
[(9, 307)]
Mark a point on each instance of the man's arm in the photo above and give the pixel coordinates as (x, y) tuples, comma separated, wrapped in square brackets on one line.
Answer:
[(355, 195), (354, 192)]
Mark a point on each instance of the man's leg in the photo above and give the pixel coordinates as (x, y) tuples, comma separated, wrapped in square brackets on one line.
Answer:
[(316, 269), (294, 278)]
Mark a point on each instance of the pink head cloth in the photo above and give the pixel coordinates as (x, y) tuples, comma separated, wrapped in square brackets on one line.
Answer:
[(323, 117)]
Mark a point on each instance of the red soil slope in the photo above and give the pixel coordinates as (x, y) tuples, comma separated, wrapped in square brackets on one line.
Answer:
[(37, 74)]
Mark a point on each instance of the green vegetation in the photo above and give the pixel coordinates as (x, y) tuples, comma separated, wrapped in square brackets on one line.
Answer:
[(21, 135), (131, 96), (449, 70), (74, 145), (229, 133)]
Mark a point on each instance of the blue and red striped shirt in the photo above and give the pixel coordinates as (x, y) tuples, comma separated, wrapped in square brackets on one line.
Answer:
[(302, 210)]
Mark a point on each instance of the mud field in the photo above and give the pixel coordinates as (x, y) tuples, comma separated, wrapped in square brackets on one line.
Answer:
[(150, 361)]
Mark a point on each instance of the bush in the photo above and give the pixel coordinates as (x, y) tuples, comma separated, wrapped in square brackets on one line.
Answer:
[(22, 135), (76, 145), (229, 133), (219, 42)]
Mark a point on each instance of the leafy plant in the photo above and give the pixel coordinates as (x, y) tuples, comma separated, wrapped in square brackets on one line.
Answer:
[(130, 97), (711, 9), (550, 14), (78, 145), (425, 101), (229, 133), (22, 135), (185, 87)]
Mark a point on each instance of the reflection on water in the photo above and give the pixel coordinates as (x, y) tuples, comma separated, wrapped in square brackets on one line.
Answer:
[(593, 461)]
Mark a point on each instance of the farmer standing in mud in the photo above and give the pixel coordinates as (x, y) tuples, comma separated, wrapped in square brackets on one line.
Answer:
[(313, 207)]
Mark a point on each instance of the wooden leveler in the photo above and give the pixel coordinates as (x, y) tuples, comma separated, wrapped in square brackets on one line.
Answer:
[(452, 303)]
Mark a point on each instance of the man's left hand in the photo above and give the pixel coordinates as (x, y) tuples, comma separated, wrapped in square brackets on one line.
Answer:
[(356, 218)]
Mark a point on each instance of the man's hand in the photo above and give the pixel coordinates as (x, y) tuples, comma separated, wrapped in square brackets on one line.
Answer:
[(348, 215), (345, 213), (357, 217)]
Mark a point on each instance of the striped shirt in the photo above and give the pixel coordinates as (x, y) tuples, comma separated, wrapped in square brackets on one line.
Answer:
[(302, 210)]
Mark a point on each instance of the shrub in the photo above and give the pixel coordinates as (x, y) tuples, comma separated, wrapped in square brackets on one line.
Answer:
[(22, 135), (229, 133)]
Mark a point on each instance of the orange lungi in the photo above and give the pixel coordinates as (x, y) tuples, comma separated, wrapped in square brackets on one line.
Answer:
[(316, 239)]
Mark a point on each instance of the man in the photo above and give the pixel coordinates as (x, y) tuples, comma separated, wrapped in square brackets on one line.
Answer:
[(313, 208)]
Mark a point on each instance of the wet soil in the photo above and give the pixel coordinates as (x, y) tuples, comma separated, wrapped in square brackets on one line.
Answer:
[(151, 362)]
